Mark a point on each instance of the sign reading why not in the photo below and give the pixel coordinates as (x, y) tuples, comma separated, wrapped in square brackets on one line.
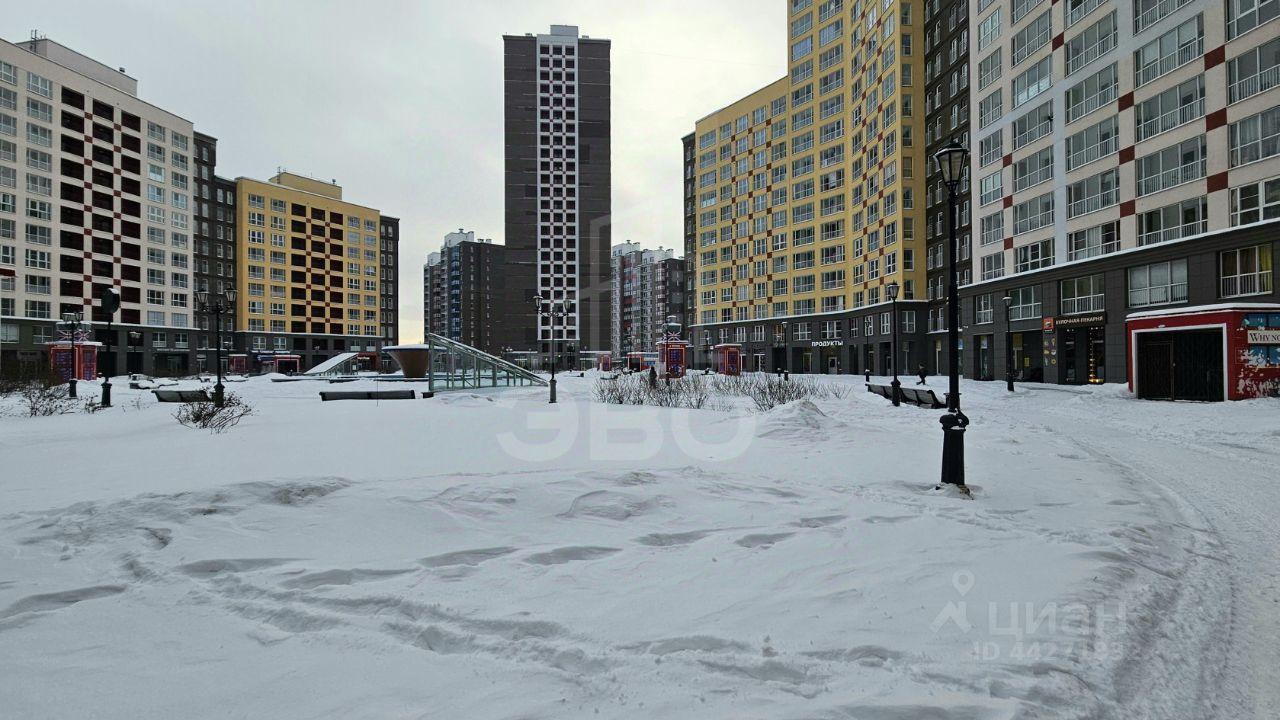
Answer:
[(1264, 337)]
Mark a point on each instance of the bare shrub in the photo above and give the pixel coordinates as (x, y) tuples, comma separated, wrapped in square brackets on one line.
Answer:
[(208, 416), (39, 399), (690, 391), (92, 405)]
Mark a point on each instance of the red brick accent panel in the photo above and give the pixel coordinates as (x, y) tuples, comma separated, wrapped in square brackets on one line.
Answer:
[(1126, 101), (1218, 181), (1008, 201), (1008, 243), (1127, 208), (1215, 119), (1215, 57), (1058, 40), (1008, 160), (1126, 154)]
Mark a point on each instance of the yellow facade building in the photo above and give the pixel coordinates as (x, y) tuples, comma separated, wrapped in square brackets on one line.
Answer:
[(810, 198), (310, 269)]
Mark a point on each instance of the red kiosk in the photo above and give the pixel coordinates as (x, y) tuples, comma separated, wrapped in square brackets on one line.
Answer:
[(78, 360), (673, 353), (604, 363), (1205, 353), (728, 358)]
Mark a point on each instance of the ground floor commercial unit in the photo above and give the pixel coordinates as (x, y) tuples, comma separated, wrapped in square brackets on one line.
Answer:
[(849, 342), (1066, 323)]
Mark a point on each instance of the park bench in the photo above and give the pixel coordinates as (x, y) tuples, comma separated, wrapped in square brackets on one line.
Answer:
[(327, 395), (916, 396), (181, 396)]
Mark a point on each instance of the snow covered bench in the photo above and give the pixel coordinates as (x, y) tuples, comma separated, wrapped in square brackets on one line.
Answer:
[(181, 396), (915, 396), (327, 395)]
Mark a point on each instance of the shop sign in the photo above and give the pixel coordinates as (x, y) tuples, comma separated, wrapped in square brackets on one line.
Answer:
[(1047, 323), (1264, 337), (826, 343), (1075, 321)]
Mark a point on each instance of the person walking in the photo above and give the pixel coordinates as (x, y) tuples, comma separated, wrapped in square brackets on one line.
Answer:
[(653, 377), (921, 372)]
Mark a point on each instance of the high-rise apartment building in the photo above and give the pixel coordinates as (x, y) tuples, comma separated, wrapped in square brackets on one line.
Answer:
[(215, 250), (648, 286), (310, 269), (689, 145), (946, 106), (1126, 150), (557, 189), (811, 197), (95, 192), (463, 291), (389, 283)]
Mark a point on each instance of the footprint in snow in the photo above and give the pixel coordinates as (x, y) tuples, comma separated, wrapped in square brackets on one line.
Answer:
[(762, 540), (563, 555)]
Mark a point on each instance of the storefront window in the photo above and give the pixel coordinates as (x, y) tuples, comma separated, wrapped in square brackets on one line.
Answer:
[(1158, 283)]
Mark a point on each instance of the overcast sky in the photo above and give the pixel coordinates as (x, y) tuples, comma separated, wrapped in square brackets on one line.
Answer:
[(401, 101)]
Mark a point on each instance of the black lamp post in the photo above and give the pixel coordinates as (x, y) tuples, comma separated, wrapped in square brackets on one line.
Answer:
[(892, 290), (216, 305), (553, 311), (110, 304), (1008, 345), (786, 350), (951, 161), (72, 322)]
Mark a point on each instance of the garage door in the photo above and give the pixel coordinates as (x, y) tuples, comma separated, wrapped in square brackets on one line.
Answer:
[(1184, 365)]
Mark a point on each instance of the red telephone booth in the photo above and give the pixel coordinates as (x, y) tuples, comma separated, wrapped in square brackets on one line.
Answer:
[(604, 363), (728, 358), (238, 364), (79, 360), (672, 358)]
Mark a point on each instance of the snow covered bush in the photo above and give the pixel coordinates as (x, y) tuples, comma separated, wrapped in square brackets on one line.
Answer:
[(687, 392), (208, 416), (41, 399), (769, 391)]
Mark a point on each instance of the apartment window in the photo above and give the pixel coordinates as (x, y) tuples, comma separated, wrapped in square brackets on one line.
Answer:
[(1172, 222), (1168, 52), (1091, 93), (1095, 41), (1025, 303), (1255, 201), (990, 108), (989, 69), (1245, 271), (1033, 170), (1093, 193), (983, 309), (1255, 137), (1031, 38), (1032, 126), (1035, 80), (989, 30), (1093, 143), (990, 189), (1253, 71), (1094, 241), (8, 73), (1033, 257), (41, 136), (992, 228), (39, 85), (1149, 12), (1083, 294), (8, 125), (1158, 283), (1174, 107), (991, 148), (1171, 166), (1033, 214), (1245, 15), (992, 266)]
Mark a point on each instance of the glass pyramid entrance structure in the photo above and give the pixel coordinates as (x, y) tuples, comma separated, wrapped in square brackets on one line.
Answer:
[(451, 365)]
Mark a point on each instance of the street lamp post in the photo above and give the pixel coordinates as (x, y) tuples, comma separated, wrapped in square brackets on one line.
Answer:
[(1008, 345), (951, 161), (72, 322), (216, 305), (892, 289), (786, 349), (553, 311), (110, 304)]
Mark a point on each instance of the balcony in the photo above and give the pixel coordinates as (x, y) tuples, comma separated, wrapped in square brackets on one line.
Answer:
[(1083, 304), (1168, 63), (1094, 203), (1173, 233), (1247, 284), (1170, 120), (1174, 176), (1258, 82)]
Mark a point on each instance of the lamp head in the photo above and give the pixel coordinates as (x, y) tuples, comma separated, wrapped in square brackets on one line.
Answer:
[(892, 290), (951, 160)]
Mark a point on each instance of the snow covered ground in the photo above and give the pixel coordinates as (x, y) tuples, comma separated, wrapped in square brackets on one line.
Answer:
[(485, 555)]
